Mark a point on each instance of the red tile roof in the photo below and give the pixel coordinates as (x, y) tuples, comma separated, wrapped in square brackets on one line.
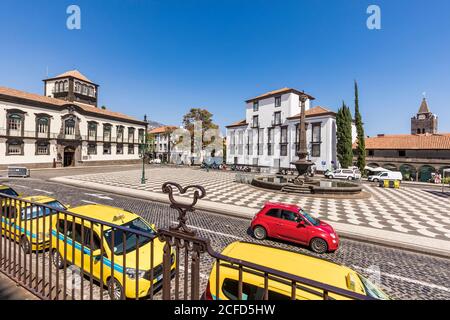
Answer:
[(32, 97), (278, 92), (162, 129), (73, 73), (237, 124), (314, 112), (410, 142)]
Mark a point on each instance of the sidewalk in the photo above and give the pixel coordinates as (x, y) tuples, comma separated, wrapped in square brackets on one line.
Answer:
[(9, 290), (362, 231)]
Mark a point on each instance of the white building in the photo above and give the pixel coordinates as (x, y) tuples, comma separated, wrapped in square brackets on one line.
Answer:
[(161, 142), (64, 127), (268, 137)]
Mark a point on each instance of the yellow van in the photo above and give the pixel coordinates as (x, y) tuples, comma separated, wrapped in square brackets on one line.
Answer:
[(28, 224), (120, 266), (301, 265)]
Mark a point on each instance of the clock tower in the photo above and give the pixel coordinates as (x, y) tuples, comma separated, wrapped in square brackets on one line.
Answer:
[(424, 121)]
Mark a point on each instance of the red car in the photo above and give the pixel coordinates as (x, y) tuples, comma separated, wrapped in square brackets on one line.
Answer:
[(292, 223)]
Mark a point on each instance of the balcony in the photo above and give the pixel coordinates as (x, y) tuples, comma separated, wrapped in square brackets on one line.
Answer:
[(27, 134), (276, 122), (254, 125)]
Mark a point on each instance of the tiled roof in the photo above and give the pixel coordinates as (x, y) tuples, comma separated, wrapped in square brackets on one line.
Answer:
[(279, 91), (32, 97), (410, 142), (237, 124), (314, 112), (162, 129), (73, 73)]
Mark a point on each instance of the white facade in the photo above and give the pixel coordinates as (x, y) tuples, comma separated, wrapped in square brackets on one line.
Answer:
[(42, 131), (272, 141)]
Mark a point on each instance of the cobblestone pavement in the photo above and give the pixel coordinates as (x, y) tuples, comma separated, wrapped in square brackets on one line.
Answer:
[(403, 274), (413, 211)]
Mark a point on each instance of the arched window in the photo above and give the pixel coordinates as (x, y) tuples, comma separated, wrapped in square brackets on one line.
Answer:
[(69, 127), (66, 86), (77, 87), (15, 123), (92, 131), (43, 125), (85, 89), (14, 147)]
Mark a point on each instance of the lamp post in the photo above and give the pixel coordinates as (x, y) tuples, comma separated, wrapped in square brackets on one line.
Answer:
[(144, 145), (302, 164)]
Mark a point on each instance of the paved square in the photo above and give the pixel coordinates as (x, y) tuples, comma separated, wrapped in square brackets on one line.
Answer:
[(407, 210)]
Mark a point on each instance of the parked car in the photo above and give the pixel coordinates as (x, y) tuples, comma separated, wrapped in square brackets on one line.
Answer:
[(292, 223), (129, 254), (301, 265), (29, 224), (388, 175), (347, 174)]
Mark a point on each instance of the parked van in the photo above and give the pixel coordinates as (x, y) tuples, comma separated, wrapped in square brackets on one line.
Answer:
[(301, 265), (347, 174), (388, 175)]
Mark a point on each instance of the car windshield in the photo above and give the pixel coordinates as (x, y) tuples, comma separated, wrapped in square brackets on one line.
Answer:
[(9, 192), (39, 212), (372, 290), (311, 219), (130, 237)]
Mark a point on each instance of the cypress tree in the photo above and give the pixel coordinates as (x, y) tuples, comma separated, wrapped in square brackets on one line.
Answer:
[(361, 143), (344, 136)]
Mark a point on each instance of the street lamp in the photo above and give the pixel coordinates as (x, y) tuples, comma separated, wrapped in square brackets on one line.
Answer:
[(142, 155)]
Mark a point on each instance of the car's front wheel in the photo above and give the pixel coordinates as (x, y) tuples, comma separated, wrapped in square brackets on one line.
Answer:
[(260, 233), (318, 245), (115, 289)]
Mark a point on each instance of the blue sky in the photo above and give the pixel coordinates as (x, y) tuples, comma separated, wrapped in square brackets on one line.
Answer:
[(164, 57)]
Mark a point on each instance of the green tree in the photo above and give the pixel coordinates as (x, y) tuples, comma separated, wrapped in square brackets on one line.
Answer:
[(344, 136), (361, 142), (198, 114)]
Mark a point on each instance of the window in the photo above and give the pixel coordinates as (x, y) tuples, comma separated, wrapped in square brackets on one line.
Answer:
[(69, 127), (131, 149), (255, 162), (15, 147), (15, 122), (250, 143), (92, 131), (316, 139), (92, 149), (106, 132), (371, 153), (66, 86), (402, 153), (255, 123), (78, 87), (273, 213), (130, 135), (107, 148), (42, 148), (270, 141), (283, 141), (42, 125), (277, 118), (141, 136), (119, 149), (289, 215), (260, 142), (255, 106), (230, 289), (277, 101), (119, 134)]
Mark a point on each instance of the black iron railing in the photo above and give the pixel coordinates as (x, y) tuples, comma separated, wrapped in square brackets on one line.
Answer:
[(60, 255)]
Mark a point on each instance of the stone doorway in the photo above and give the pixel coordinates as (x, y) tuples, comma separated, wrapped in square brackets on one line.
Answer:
[(69, 157)]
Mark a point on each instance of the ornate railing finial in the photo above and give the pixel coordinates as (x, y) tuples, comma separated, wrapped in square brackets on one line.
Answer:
[(182, 208)]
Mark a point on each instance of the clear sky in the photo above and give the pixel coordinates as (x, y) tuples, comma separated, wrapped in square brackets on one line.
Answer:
[(163, 57)]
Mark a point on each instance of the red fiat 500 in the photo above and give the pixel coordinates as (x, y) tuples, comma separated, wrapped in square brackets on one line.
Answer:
[(292, 223)]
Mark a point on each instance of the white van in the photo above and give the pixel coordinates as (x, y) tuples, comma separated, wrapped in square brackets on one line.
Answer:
[(388, 175)]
